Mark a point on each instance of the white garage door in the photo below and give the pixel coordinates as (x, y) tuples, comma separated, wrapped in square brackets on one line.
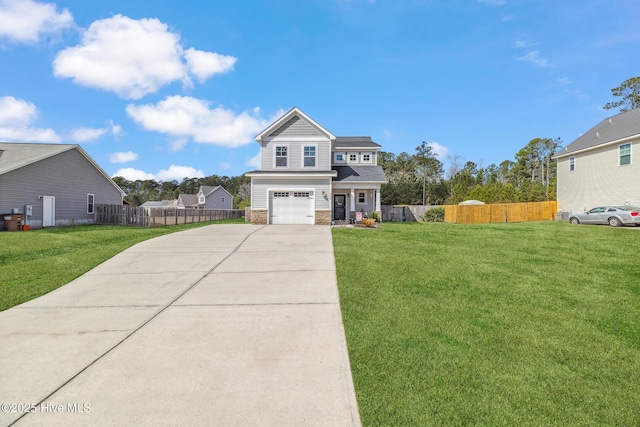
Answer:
[(291, 207)]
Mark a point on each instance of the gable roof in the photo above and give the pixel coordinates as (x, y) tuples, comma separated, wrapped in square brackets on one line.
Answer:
[(188, 199), (359, 174), (208, 189), (15, 155), (610, 130), (292, 114), (355, 142)]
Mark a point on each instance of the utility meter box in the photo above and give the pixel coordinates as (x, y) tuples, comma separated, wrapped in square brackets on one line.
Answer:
[(28, 210)]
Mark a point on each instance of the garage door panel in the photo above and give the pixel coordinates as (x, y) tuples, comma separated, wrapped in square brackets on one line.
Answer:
[(291, 207)]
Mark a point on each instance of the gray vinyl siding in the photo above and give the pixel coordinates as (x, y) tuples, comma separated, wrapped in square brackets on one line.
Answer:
[(260, 198), (214, 200), (323, 154), (69, 177), (598, 180), (296, 127)]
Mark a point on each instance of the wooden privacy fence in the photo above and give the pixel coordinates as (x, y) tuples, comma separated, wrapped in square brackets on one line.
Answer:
[(156, 217), (504, 212)]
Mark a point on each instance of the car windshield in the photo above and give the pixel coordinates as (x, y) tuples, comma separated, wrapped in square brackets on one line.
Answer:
[(627, 208)]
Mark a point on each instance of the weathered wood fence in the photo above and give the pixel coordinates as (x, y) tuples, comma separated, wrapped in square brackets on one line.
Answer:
[(157, 217), (476, 214)]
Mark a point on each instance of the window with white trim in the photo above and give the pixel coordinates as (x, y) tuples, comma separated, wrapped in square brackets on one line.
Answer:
[(339, 157), (305, 194), (362, 197), (309, 153), (90, 203), (353, 157), (572, 163), (282, 156), (222, 200), (366, 158), (625, 154), (279, 194)]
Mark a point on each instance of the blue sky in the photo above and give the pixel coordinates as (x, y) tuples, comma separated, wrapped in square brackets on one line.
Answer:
[(167, 89)]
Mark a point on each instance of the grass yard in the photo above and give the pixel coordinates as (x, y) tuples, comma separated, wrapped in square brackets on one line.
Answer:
[(36, 262), (492, 324)]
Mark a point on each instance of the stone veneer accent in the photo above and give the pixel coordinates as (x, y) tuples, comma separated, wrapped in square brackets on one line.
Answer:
[(323, 217), (258, 216)]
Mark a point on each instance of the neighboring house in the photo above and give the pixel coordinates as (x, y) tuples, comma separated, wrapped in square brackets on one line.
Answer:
[(60, 182), (187, 201), (309, 176), (214, 198), (599, 168)]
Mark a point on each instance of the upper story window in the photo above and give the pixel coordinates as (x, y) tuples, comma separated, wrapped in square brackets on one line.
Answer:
[(353, 157), (309, 153), (339, 157), (366, 158), (625, 154), (572, 163), (282, 156), (222, 200)]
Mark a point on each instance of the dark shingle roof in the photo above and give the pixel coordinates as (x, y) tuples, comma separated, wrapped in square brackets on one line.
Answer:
[(610, 129), (359, 174), (355, 142)]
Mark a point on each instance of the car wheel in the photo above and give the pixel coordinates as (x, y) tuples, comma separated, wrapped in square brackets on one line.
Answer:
[(614, 222), (574, 221)]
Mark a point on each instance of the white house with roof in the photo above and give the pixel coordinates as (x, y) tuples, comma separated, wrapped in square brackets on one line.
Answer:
[(600, 168), (60, 182), (308, 175)]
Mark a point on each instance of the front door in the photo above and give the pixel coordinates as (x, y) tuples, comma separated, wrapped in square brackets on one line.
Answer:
[(339, 210)]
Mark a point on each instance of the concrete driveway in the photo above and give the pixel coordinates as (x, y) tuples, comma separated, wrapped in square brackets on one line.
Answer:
[(221, 325)]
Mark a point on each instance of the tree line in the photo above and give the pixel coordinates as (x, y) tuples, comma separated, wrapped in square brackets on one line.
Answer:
[(419, 178), (140, 191)]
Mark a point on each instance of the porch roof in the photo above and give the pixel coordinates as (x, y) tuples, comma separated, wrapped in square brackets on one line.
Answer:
[(359, 174)]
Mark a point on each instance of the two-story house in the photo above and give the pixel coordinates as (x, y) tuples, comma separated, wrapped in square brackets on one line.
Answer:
[(599, 168), (309, 176)]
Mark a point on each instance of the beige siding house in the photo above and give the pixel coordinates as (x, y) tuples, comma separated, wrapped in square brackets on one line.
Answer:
[(308, 175), (601, 167)]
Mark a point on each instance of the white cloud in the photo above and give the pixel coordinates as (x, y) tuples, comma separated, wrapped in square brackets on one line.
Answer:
[(16, 118), (492, 2), (564, 81), (26, 21), (179, 172), (132, 174), (440, 150), (174, 172), (123, 157), (534, 58), (253, 161), (225, 165), (187, 117), (134, 58), (205, 64), (523, 43), (84, 134)]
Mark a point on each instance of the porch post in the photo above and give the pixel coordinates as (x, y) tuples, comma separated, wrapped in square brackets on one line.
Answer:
[(378, 208), (352, 200)]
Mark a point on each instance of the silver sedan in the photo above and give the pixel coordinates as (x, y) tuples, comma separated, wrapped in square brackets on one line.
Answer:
[(615, 216)]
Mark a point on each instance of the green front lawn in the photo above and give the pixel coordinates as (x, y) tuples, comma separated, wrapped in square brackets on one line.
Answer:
[(35, 262), (493, 324)]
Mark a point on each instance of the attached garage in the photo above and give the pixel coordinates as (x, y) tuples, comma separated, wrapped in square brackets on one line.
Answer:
[(291, 207)]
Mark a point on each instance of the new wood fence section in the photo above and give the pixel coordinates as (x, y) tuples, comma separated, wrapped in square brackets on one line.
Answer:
[(505, 212), (157, 217), (474, 214)]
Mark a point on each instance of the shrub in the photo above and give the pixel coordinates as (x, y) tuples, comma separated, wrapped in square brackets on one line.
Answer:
[(434, 215), (374, 215), (368, 222)]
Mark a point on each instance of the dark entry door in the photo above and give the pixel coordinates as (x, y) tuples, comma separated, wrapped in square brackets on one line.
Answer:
[(338, 207)]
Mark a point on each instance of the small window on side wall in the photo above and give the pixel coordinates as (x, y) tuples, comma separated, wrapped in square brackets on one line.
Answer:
[(572, 163), (625, 154), (90, 203), (362, 197)]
